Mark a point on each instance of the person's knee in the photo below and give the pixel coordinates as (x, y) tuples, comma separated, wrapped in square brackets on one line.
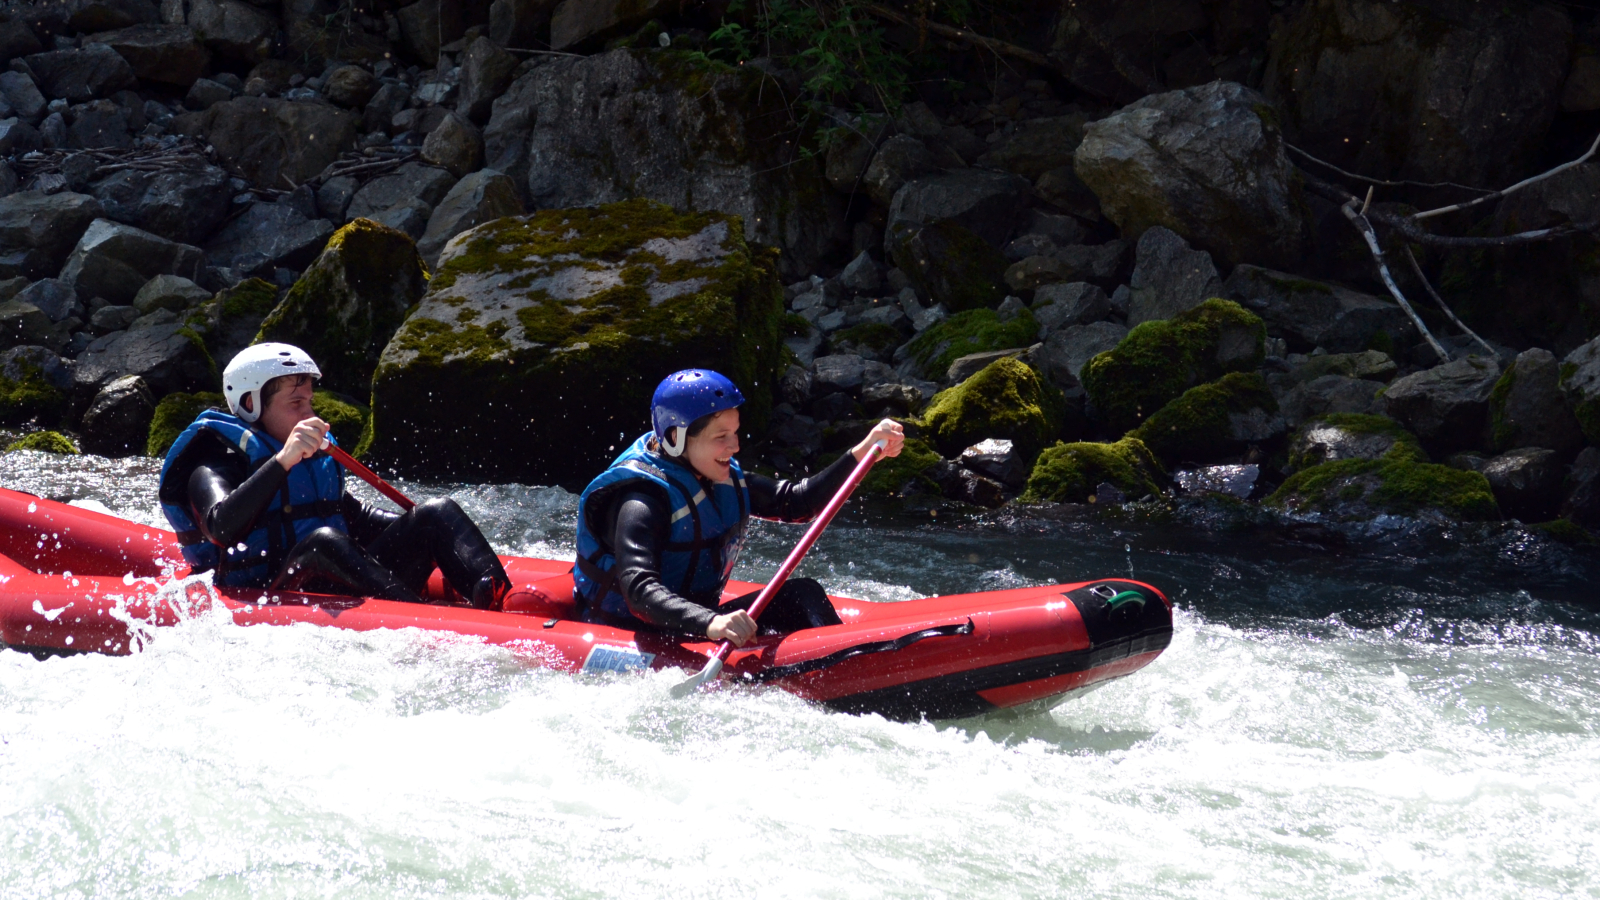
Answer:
[(440, 510), (322, 540)]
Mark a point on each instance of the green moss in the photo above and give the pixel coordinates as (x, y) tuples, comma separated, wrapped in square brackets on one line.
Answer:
[(973, 331), (1405, 443), (251, 297), (889, 476), (1070, 473), (1160, 360), (1400, 483), (347, 419), (795, 325), (30, 397), (1195, 427), (1567, 532), (45, 442), (198, 341), (1501, 434), (952, 265), (871, 335), (1382, 342), (1007, 399), (173, 414)]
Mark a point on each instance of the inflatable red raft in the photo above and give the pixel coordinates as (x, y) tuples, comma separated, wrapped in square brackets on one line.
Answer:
[(74, 580)]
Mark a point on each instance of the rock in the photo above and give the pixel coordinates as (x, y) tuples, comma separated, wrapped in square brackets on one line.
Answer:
[(794, 386), (168, 54), (23, 324), (1460, 92), (1007, 399), (1205, 163), (899, 158), (853, 150), (17, 39), (965, 367), (1527, 482), (834, 408), (409, 217), (34, 383), (381, 109), (1581, 500), (1527, 408), (38, 231), (1036, 146), (22, 95), (97, 125), (114, 261), (229, 321), (1168, 277), (575, 21), (839, 373), (456, 145), (1580, 382), (170, 359), (351, 87), (348, 304), (974, 331), (1065, 352), (269, 236), (76, 76), (52, 133), (184, 206), (412, 181), (205, 93), (481, 197), (861, 275), (1076, 473), (1581, 92), (1369, 364), (54, 297), (1311, 314), (1237, 481), (1211, 421), (516, 23), (1330, 394), (997, 459), (892, 399), (118, 419), (1058, 306), (231, 28), (801, 433), (89, 16), (951, 265), (279, 143), (1337, 436), (987, 203), (1158, 362), (107, 319), (530, 319), (173, 292), (1100, 263), (1446, 406), (333, 198), (582, 132), (486, 71)]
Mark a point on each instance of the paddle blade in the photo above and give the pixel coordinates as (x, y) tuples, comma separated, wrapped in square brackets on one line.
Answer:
[(709, 673)]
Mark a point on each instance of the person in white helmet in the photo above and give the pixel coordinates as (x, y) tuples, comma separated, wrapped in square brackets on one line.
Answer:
[(251, 495)]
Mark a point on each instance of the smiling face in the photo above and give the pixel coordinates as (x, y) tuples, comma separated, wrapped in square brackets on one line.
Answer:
[(710, 452), (288, 403)]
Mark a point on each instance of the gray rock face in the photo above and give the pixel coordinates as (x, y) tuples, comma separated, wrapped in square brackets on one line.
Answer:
[(410, 216), (54, 297), (1321, 442), (107, 319), (481, 197), (990, 204), (182, 206), (17, 137), (1067, 351), (412, 181), (230, 28), (1527, 482), (1451, 92), (172, 292), (997, 459), (576, 21), (75, 76), (169, 54), (1036, 146), (583, 132), (114, 261), (279, 143), (19, 363), (1329, 394), (455, 144), (1581, 502), (333, 198), (89, 16), (964, 367), (1531, 411), (899, 159), (1581, 385), (17, 39), (861, 275), (269, 236), (22, 95), (205, 93), (23, 324), (379, 113), (117, 422), (97, 125), (37, 230), (1447, 407), (486, 71), (167, 360), (1369, 364), (840, 373), (1204, 163), (351, 87), (1235, 481), (1168, 277), (1310, 314), (1099, 263), (1057, 306)]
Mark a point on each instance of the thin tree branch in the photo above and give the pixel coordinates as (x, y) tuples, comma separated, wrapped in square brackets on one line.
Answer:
[(1417, 271), (1365, 227), (1411, 231), (1513, 189), (1378, 181)]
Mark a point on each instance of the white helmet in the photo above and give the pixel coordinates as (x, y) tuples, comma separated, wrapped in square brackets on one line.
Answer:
[(257, 365)]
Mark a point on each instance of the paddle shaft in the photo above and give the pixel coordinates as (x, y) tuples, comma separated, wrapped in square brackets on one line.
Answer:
[(370, 477)]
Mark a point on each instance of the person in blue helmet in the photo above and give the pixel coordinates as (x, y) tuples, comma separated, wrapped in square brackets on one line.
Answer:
[(252, 496), (660, 530)]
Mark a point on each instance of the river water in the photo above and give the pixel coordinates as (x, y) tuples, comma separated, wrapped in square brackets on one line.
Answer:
[(1407, 718)]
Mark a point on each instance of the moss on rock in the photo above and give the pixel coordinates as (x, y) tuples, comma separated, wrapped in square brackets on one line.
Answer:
[(1195, 426), (348, 304), (1070, 473), (30, 397), (173, 414), (1006, 399), (1403, 482), (536, 349), (973, 331), (228, 322), (952, 265), (1160, 360), (347, 418), (889, 476), (874, 337), (1303, 455), (45, 442)]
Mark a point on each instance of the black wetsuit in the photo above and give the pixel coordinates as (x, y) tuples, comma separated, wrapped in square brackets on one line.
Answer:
[(385, 554), (638, 523)]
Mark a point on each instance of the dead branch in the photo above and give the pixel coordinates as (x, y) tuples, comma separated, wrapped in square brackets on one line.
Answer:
[(1371, 236), (1379, 181), (1411, 231), (1514, 188), (1417, 271)]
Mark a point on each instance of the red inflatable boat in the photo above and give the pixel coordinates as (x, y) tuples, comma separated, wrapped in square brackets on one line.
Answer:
[(73, 580)]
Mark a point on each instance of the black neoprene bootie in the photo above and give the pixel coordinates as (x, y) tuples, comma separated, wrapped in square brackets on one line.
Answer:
[(489, 592)]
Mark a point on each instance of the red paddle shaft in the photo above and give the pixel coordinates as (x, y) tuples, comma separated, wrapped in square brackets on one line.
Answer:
[(818, 524), (369, 476)]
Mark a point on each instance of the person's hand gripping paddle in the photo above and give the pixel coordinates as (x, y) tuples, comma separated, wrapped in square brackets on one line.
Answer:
[(714, 667)]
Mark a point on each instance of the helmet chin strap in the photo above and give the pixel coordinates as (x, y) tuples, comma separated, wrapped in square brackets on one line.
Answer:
[(675, 447)]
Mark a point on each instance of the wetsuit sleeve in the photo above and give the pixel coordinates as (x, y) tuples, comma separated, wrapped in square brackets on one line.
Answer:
[(365, 522), (797, 500), (226, 503), (639, 530)]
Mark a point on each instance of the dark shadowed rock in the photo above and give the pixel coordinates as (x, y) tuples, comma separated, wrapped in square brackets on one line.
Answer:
[(107, 319), (1066, 352), (1364, 437), (54, 297), (170, 358), (1310, 314), (279, 143), (481, 197), (1527, 408), (1169, 277), (17, 39), (410, 216), (91, 71), (1102, 264), (575, 21), (486, 71), (840, 373), (951, 265), (351, 87), (169, 54), (38, 231), (117, 422), (519, 23), (456, 144), (1580, 382), (23, 324), (997, 459), (990, 204), (1581, 493), (1036, 146), (185, 206), (269, 236), (231, 28), (1057, 306), (412, 181), (90, 16), (171, 292), (898, 159), (205, 93), (1527, 482), (22, 95), (1447, 406), (1330, 394), (97, 125), (852, 151), (113, 260)]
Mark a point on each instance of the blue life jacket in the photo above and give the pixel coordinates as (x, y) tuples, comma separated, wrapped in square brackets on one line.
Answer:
[(309, 499), (708, 530)]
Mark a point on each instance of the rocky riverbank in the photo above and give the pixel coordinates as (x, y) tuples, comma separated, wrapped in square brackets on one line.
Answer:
[(1077, 280)]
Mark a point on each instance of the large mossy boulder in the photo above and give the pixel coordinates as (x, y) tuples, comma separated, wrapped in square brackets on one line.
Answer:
[(535, 351), (1527, 409), (34, 386), (348, 304), (1337, 436), (1072, 473), (910, 468), (174, 413), (1401, 482), (229, 321), (45, 442), (965, 333), (1160, 360), (1213, 420), (1007, 399)]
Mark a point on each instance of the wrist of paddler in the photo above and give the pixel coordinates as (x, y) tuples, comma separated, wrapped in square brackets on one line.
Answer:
[(893, 435)]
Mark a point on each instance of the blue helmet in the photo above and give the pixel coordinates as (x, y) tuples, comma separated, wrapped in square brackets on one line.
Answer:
[(684, 396)]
